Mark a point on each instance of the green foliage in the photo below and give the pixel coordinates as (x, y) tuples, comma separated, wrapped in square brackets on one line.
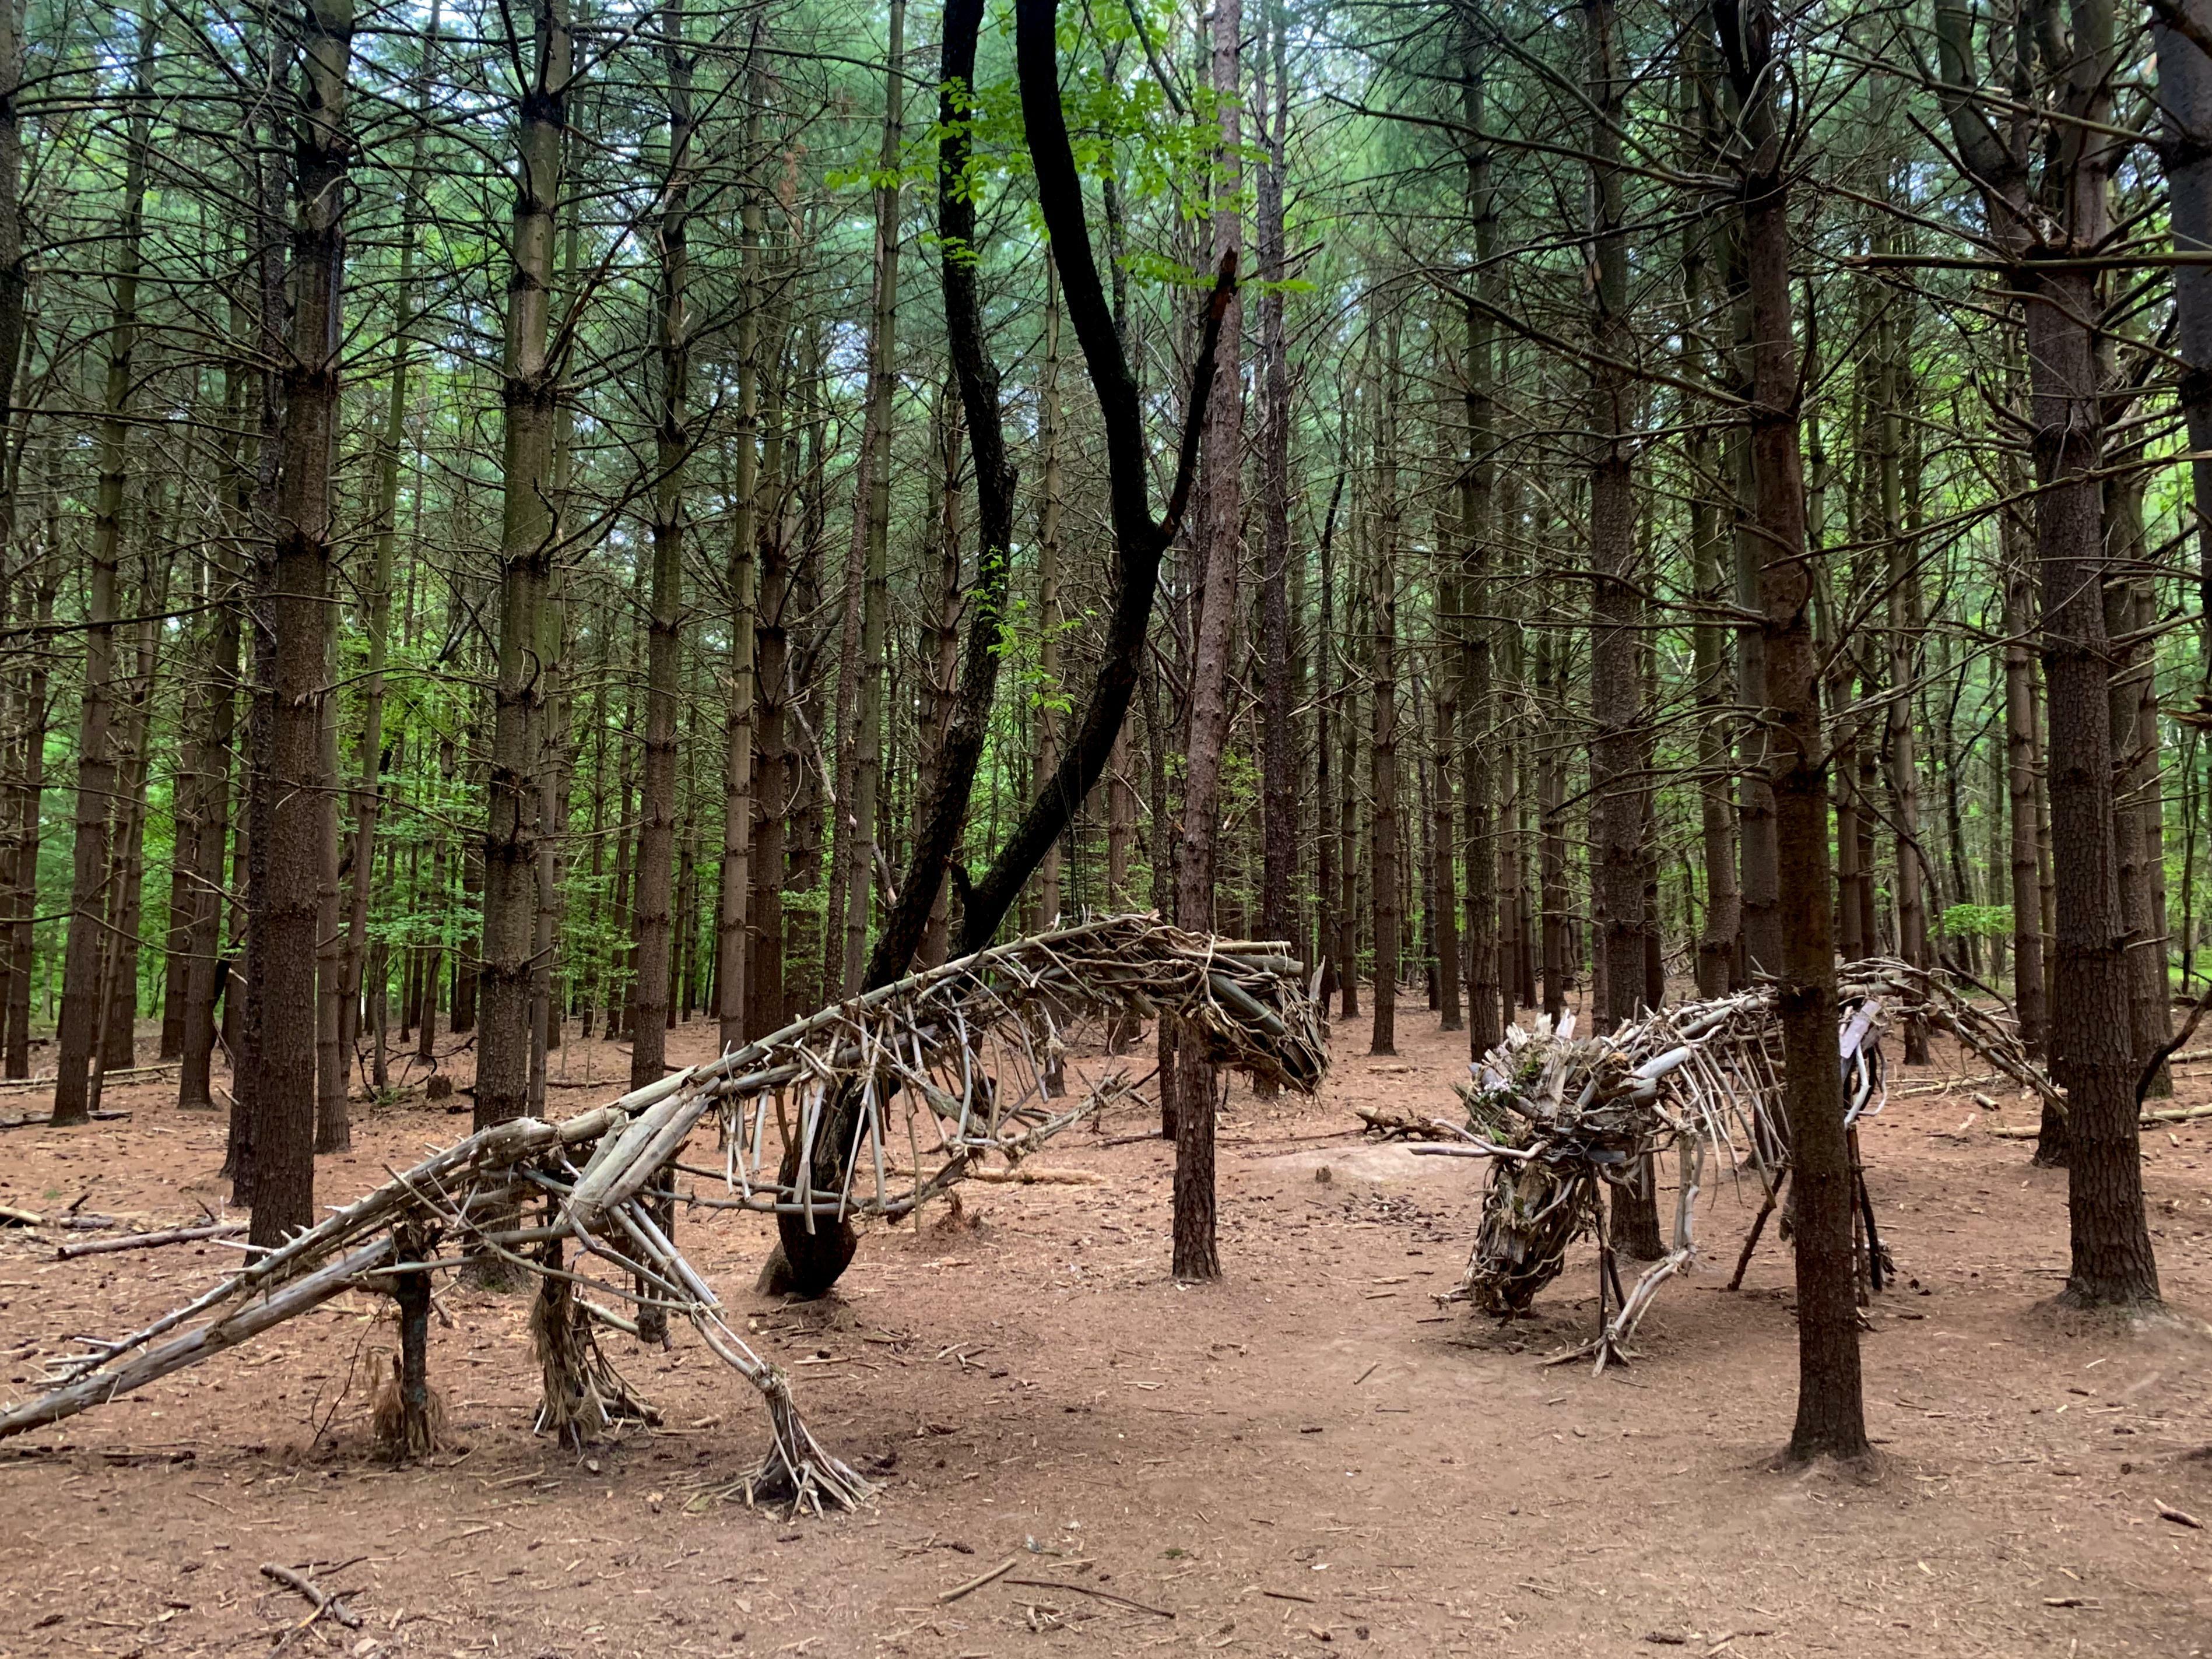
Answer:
[(1975, 922)]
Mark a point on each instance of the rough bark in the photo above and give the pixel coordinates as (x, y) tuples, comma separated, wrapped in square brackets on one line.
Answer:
[(656, 841), (1196, 1255), (2020, 801), (2064, 209), (14, 280), (1383, 708), (300, 570), (1279, 768), (530, 390), (1905, 624), (2180, 30), (2133, 663), (940, 638), (1328, 853), (1550, 827), (772, 656), (333, 1118), (1488, 1005), (1617, 794), (119, 1026), (84, 947), (376, 609), (732, 968), (1758, 895), (1712, 678), (2148, 781), (866, 786), (1830, 1410), (204, 966), (25, 837)]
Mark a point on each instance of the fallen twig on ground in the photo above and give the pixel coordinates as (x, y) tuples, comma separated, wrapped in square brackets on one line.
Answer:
[(1091, 1589), (325, 1602), (149, 1241), (2147, 1120), (980, 1580)]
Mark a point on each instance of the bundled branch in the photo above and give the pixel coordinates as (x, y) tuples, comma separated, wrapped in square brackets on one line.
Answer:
[(951, 1066), (1561, 1118)]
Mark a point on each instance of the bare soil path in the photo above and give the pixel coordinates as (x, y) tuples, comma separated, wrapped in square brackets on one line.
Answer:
[(1308, 1456)]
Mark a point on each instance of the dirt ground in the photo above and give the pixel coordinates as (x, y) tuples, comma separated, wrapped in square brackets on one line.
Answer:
[(1310, 1452)]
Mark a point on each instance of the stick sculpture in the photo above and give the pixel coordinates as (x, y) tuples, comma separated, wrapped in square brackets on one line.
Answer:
[(1561, 1118), (953, 1065)]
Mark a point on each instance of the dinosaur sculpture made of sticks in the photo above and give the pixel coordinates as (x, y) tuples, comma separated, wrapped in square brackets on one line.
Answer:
[(1562, 1118), (955, 1065)]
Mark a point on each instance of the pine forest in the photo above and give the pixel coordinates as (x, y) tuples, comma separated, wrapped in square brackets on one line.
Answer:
[(1650, 547)]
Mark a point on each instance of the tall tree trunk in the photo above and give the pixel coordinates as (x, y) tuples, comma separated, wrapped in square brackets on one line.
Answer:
[(2149, 1001), (1907, 621), (368, 786), (732, 976), (118, 1031), (243, 1007), (25, 836), (1279, 770), (1715, 691), (1831, 1409), (1552, 828), (185, 812), (1616, 795), (18, 876), (876, 462), (1047, 704), (2148, 781), (1615, 813), (1758, 887), (219, 736), (284, 1108), (333, 1119), (85, 948), (656, 840), (14, 277), (528, 533), (817, 1256), (1328, 853), (1196, 1255), (2092, 1051), (1383, 746), (2180, 31), (940, 648), (772, 650), (1347, 811), (1486, 1006), (2020, 797), (2092, 1054)]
